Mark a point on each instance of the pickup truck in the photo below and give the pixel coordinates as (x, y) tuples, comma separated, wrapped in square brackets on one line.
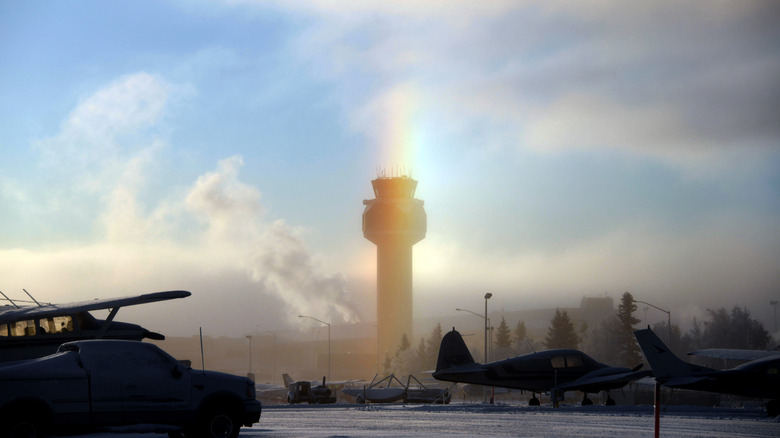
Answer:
[(88, 385)]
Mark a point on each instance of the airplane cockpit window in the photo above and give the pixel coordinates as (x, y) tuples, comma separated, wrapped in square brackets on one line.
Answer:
[(23, 328), (61, 324), (573, 360), (558, 362)]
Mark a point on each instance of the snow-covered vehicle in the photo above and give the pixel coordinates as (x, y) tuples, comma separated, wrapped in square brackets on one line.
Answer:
[(99, 383), (304, 392)]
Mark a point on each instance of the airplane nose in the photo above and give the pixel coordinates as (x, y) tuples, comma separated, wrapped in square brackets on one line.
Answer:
[(154, 336)]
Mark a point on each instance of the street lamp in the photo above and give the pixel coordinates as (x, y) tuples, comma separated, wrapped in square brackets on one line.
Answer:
[(774, 304), (323, 322), (668, 315), (487, 324), (250, 355), (487, 329)]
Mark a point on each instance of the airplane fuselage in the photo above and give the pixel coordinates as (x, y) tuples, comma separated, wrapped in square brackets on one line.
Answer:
[(533, 372), (759, 378), (28, 339)]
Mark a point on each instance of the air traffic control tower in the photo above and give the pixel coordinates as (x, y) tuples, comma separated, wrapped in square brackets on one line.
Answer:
[(393, 221)]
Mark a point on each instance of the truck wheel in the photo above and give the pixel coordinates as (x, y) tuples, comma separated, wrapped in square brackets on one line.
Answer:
[(219, 423), (24, 425)]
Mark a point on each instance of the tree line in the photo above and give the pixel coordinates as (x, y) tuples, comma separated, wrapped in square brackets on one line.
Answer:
[(612, 341)]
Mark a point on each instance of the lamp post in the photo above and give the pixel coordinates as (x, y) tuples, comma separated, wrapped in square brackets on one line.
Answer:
[(487, 329), (250, 356), (774, 305), (323, 322), (668, 315), (480, 317)]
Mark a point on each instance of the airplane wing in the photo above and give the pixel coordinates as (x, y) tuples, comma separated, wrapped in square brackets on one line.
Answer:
[(9, 314), (730, 353), (686, 380), (597, 381)]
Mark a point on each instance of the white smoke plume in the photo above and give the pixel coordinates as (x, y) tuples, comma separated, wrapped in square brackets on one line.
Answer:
[(274, 255)]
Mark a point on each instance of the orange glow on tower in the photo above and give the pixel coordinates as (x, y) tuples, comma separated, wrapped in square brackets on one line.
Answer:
[(394, 221)]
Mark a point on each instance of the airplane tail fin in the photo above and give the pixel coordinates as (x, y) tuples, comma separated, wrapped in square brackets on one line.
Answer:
[(287, 380), (664, 363), (453, 352)]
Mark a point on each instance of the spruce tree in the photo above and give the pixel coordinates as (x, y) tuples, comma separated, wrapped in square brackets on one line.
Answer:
[(503, 336), (519, 336), (404, 345), (434, 343), (561, 333), (503, 342), (628, 349)]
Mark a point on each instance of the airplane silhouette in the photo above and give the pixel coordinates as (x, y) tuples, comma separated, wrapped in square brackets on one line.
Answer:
[(555, 371), (757, 378), (28, 331)]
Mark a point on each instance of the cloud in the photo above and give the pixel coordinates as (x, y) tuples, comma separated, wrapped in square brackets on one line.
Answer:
[(211, 237), (689, 85)]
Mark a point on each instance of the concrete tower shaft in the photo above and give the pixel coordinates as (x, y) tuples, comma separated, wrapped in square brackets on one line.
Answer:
[(394, 221)]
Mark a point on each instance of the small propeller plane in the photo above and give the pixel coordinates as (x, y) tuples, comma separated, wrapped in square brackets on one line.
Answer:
[(30, 331), (758, 378), (556, 371)]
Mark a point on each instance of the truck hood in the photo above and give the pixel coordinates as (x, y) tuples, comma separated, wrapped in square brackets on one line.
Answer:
[(57, 366)]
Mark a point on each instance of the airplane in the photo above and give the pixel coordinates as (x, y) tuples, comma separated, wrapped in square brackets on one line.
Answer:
[(418, 393), (556, 371), (758, 378), (31, 331)]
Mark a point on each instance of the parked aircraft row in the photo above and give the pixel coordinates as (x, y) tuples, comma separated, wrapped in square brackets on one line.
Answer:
[(29, 331), (554, 371), (558, 371)]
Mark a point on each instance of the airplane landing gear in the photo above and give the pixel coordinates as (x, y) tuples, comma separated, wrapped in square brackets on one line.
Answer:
[(585, 400), (773, 408), (533, 401), (609, 401)]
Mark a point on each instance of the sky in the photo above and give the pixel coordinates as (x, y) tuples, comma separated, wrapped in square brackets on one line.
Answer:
[(562, 149)]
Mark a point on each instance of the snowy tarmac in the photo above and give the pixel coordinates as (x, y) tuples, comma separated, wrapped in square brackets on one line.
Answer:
[(398, 420)]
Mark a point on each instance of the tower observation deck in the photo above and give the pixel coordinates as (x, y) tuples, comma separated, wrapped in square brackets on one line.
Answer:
[(394, 221)]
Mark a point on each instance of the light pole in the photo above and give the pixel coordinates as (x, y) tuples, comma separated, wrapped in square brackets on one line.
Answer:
[(668, 315), (250, 356), (323, 322), (487, 324), (487, 327)]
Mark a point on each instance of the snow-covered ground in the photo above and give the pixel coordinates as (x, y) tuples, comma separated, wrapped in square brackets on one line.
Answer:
[(347, 420)]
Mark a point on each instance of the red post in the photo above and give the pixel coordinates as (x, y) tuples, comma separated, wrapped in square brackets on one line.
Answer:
[(657, 401)]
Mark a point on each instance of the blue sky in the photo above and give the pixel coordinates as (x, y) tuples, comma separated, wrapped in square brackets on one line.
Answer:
[(562, 150)]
